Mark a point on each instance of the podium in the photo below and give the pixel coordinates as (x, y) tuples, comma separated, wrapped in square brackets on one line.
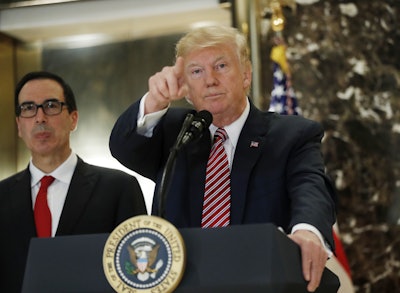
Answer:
[(245, 258)]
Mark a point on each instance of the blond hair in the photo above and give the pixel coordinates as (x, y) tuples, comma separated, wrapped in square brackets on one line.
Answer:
[(214, 36)]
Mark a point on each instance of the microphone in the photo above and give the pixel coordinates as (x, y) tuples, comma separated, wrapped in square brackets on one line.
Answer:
[(193, 128), (201, 121)]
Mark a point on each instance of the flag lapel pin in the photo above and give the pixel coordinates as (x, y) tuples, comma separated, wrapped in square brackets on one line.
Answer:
[(254, 144)]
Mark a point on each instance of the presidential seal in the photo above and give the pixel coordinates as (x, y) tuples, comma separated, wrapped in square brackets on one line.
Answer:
[(144, 254)]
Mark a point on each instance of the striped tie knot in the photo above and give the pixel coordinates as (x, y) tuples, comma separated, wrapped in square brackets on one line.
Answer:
[(220, 134)]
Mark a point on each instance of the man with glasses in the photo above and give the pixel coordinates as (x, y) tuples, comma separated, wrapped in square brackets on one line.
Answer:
[(80, 198)]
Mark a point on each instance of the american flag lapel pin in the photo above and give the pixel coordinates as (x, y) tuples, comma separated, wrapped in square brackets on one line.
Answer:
[(254, 144)]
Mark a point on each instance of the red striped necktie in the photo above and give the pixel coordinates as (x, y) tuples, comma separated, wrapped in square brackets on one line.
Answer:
[(217, 196), (41, 211)]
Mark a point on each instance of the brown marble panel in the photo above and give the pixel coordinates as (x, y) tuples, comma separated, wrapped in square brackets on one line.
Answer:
[(345, 60)]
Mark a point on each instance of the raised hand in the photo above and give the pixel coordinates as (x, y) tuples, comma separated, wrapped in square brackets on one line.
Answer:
[(166, 86)]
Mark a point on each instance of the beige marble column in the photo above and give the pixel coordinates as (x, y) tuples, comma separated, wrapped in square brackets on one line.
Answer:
[(8, 132), (246, 16), (16, 59)]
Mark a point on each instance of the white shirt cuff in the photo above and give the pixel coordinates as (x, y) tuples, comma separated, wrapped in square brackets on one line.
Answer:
[(146, 123), (311, 228)]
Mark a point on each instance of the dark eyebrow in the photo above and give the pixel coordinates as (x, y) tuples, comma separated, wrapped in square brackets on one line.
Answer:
[(45, 101), (27, 102), (52, 100)]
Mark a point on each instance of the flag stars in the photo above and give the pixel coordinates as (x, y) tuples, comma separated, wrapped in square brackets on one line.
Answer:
[(278, 74), (278, 91)]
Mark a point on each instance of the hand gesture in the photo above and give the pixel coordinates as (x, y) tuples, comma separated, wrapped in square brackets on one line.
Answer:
[(166, 86)]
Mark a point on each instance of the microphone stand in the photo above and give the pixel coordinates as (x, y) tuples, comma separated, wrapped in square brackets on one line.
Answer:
[(169, 166)]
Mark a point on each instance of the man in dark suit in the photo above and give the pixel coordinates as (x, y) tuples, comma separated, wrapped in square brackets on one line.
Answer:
[(276, 167), (82, 199)]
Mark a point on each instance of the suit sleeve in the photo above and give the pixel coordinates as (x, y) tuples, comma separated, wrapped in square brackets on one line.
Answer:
[(312, 194), (131, 201), (145, 155), (137, 152)]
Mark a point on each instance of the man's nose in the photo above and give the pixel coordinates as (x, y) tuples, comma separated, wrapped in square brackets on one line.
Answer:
[(211, 78), (40, 115)]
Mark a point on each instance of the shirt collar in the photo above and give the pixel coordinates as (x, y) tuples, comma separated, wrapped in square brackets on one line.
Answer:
[(62, 173), (233, 130)]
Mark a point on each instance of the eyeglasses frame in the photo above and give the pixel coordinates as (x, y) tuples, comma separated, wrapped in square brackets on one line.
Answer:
[(41, 106)]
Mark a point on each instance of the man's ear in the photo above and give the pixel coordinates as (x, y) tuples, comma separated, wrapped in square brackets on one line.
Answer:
[(19, 130), (247, 76), (74, 120)]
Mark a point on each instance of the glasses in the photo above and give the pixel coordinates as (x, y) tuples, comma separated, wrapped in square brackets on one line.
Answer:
[(50, 108)]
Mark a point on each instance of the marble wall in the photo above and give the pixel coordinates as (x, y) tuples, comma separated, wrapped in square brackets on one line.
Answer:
[(345, 61)]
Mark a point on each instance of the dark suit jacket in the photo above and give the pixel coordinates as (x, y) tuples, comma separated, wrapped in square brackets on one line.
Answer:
[(277, 174), (98, 199)]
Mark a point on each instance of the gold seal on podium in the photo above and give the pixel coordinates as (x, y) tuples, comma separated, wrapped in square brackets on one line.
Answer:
[(144, 254)]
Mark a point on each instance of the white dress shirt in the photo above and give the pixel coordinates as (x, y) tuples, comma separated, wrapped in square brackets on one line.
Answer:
[(57, 191)]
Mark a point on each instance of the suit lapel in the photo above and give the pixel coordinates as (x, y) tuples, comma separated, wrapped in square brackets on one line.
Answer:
[(21, 208), (79, 192), (250, 146)]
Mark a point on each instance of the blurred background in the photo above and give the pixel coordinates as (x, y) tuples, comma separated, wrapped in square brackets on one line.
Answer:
[(343, 61)]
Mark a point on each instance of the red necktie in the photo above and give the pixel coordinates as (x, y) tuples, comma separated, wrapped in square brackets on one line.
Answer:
[(217, 195), (41, 210)]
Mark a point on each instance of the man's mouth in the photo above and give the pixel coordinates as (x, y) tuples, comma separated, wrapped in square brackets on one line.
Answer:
[(42, 135), (213, 95)]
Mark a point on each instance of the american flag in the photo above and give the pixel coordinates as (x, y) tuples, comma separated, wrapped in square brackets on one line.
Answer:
[(283, 99), (254, 144)]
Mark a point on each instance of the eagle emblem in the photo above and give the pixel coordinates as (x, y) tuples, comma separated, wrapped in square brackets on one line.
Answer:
[(143, 263)]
